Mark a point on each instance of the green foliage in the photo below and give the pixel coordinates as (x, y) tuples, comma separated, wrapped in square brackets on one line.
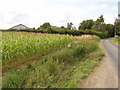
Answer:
[(30, 66), (100, 20), (116, 40), (62, 27), (69, 26), (72, 32), (22, 45), (99, 24), (62, 69), (110, 29), (86, 24), (26, 30), (45, 25), (91, 32), (117, 26), (91, 27), (17, 79)]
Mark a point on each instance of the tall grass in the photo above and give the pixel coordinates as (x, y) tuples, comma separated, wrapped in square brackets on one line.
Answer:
[(116, 40), (22, 45), (62, 69)]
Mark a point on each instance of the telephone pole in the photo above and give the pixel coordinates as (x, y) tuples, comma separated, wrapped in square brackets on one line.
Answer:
[(118, 18), (119, 10)]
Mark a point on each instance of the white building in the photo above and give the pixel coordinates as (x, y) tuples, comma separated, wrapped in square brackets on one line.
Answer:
[(20, 26)]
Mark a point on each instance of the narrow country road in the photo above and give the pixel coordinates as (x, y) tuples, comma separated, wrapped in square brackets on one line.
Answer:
[(106, 75)]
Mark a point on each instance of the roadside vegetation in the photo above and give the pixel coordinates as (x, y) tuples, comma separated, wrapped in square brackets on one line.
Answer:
[(89, 27), (64, 68), (51, 56), (116, 40)]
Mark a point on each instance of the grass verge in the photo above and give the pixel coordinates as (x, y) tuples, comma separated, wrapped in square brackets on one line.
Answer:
[(116, 40)]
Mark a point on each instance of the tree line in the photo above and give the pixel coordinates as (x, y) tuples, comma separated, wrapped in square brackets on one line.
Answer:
[(97, 27)]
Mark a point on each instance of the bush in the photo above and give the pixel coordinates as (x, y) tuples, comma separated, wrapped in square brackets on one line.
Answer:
[(118, 33)]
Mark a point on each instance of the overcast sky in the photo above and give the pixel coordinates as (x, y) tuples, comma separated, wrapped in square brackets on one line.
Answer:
[(33, 13)]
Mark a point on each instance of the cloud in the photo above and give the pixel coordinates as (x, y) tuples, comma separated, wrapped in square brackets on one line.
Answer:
[(20, 18), (33, 13), (1, 17), (104, 5)]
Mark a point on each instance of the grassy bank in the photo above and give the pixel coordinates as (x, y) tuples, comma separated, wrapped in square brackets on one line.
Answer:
[(63, 69), (116, 40)]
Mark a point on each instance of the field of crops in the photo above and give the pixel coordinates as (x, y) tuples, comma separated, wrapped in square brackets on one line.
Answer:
[(18, 46), (73, 59)]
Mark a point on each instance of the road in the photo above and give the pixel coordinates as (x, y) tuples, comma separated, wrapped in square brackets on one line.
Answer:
[(106, 75)]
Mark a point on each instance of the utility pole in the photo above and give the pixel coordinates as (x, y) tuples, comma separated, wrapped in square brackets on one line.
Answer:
[(119, 10), (116, 20), (115, 27)]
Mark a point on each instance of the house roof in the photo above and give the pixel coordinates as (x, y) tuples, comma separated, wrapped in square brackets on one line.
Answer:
[(20, 26)]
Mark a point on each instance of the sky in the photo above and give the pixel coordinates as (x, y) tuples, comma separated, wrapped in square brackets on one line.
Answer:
[(34, 13)]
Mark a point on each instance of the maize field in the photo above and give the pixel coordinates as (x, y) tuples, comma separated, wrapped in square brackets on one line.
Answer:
[(18, 46)]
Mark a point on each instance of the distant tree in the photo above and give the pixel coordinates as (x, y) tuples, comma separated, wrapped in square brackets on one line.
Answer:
[(99, 24), (74, 28), (110, 29), (34, 28), (117, 26), (45, 25), (86, 24), (62, 27), (101, 19), (117, 22), (69, 26)]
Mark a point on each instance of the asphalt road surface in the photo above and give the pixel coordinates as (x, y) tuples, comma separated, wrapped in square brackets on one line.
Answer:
[(106, 75)]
